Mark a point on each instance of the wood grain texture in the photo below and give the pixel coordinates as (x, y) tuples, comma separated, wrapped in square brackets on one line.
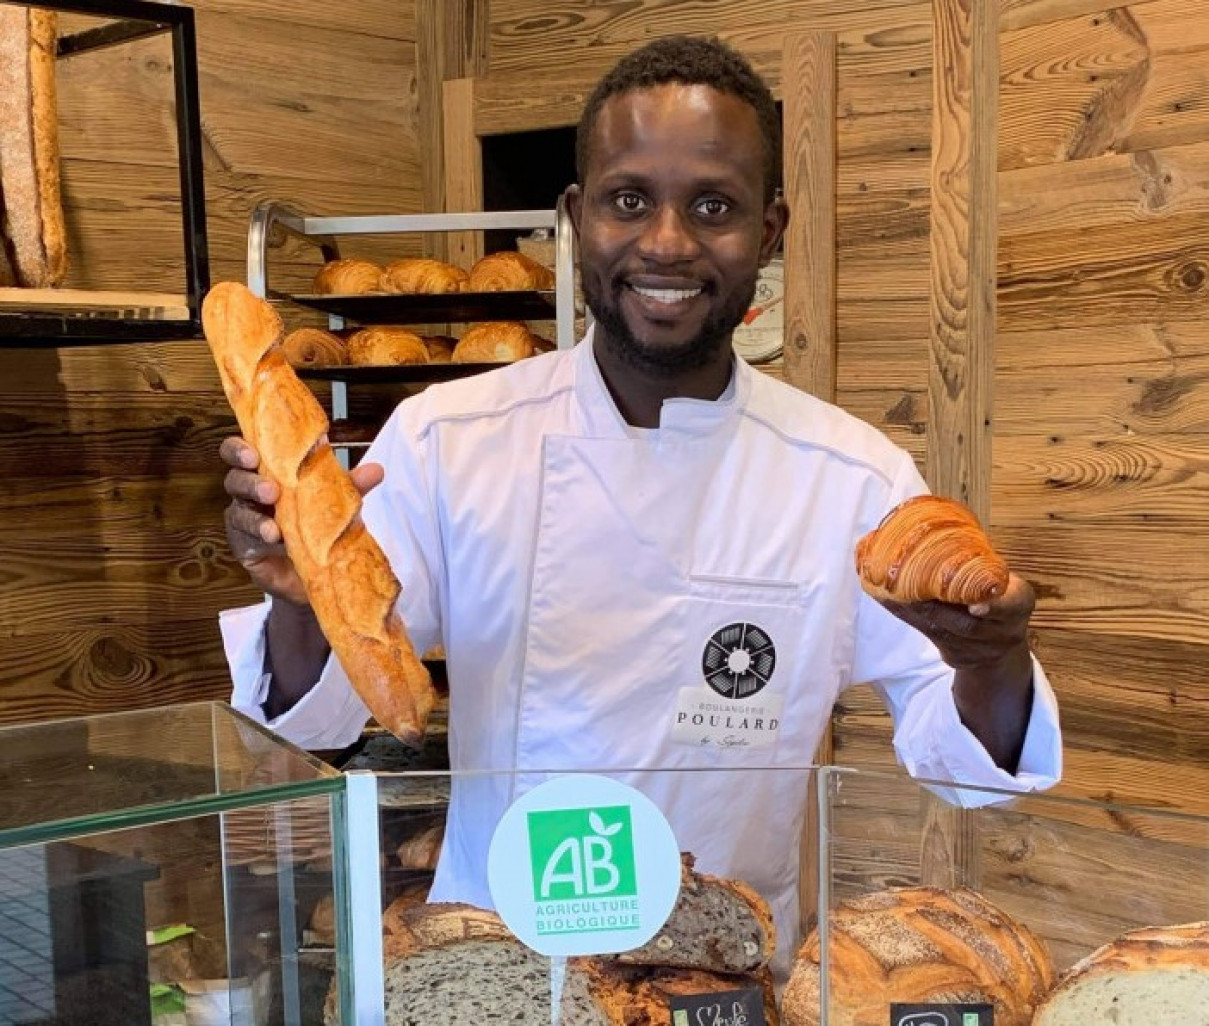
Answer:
[(463, 168), (809, 74), (963, 237)]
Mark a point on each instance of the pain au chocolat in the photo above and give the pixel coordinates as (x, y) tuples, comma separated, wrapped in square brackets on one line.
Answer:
[(930, 549)]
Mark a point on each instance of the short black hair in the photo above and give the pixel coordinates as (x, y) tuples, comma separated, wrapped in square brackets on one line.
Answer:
[(688, 60)]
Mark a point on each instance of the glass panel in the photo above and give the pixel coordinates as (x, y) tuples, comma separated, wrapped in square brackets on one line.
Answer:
[(947, 884), (101, 772)]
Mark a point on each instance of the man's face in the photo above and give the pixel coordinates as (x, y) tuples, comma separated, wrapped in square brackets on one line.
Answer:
[(672, 224)]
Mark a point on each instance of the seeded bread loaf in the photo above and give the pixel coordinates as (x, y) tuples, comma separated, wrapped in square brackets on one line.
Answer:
[(919, 945), (1147, 977), (600, 993), (716, 925)]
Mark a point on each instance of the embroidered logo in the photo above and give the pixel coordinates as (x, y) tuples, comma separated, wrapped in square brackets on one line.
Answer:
[(738, 660)]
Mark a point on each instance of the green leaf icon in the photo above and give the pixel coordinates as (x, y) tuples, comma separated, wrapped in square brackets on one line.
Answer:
[(598, 825)]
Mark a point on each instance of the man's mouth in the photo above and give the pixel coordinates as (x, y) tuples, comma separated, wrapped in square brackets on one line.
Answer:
[(667, 296)]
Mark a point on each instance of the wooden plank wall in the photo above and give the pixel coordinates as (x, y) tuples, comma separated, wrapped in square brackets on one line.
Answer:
[(1097, 490), (111, 505)]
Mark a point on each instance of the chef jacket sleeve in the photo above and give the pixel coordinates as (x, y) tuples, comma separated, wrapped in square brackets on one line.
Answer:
[(400, 515), (930, 740)]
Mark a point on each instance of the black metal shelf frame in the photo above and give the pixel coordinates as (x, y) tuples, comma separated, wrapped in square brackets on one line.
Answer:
[(137, 19)]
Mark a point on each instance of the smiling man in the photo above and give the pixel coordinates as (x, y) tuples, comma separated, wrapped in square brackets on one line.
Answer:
[(638, 554)]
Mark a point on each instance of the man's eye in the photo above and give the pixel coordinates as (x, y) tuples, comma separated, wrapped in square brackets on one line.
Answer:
[(713, 207), (628, 202)]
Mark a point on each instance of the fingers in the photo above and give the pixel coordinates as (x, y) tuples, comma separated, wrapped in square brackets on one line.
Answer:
[(235, 452), (1017, 600)]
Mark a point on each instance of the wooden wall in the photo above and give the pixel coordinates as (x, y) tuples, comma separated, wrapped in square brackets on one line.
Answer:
[(110, 501), (114, 565)]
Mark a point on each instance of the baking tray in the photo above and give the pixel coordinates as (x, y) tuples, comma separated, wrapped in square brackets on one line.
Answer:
[(411, 373), (431, 309)]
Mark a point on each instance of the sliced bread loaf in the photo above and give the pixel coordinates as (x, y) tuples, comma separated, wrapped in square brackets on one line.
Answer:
[(718, 925), (1143, 978), (919, 945)]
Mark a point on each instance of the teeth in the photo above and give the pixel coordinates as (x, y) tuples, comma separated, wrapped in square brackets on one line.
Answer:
[(667, 295)]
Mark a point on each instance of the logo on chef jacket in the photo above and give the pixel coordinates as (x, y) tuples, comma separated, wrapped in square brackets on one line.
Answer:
[(603, 867), (739, 660)]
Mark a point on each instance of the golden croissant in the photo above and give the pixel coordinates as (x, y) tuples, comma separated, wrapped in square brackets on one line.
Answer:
[(930, 549), (421, 275), (348, 277), (348, 579), (509, 271)]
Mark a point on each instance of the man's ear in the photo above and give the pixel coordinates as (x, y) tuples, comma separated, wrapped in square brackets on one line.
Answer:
[(776, 219), (573, 197)]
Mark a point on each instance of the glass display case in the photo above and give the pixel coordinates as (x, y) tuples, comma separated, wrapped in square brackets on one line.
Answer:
[(160, 867), (894, 901)]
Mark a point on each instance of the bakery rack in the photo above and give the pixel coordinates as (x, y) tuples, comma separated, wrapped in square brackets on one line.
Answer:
[(58, 317), (271, 218)]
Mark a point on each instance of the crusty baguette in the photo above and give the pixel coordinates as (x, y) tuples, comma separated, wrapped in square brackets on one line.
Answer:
[(347, 577), (1146, 977), (34, 234)]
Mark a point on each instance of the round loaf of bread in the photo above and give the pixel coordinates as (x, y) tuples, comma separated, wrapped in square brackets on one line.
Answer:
[(919, 945), (1147, 977)]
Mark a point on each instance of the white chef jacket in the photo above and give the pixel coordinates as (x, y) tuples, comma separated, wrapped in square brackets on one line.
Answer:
[(575, 571)]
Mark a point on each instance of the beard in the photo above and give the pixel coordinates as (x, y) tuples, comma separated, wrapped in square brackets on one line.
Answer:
[(662, 360)]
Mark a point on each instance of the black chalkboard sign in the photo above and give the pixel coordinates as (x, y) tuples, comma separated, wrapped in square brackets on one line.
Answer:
[(942, 1015), (721, 1008)]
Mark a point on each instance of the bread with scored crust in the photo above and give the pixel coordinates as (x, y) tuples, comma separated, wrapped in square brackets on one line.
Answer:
[(1147, 977), (919, 945), (31, 207)]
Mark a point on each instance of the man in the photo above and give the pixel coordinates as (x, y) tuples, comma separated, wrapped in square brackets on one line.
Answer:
[(638, 554)]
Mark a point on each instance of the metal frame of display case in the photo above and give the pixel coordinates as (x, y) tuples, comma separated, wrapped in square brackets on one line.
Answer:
[(137, 19)]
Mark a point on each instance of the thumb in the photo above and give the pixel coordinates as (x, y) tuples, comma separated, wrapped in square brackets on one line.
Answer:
[(367, 477)]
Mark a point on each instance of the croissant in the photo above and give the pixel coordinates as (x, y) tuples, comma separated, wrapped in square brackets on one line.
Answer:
[(314, 347), (386, 346), (422, 275), (348, 579), (494, 342), (348, 278), (930, 548), (509, 271)]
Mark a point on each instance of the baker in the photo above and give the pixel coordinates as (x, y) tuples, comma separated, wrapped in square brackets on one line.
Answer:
[(638, 554)]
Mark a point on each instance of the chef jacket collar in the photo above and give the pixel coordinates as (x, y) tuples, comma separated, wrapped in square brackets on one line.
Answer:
[(600, 418)]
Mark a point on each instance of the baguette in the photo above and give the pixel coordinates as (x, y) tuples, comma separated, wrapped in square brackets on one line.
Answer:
[(30, 202), (347, 577)]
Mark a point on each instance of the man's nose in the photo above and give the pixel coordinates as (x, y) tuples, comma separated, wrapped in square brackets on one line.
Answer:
[(668, 237)]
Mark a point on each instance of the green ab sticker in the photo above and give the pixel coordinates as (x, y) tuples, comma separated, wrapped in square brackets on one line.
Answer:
[(582, 853)]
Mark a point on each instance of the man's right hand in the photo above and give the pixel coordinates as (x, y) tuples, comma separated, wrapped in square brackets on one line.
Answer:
[(252, 533)]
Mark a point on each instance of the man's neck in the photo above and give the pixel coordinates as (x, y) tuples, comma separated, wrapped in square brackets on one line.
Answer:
[(639, 396)]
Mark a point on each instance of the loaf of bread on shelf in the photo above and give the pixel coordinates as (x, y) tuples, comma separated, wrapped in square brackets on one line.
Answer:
[(494, 342), (422, 276), (930, 548), (314, 347), (386, 346), (348, 579), (348, 277), (717, 924), (31, 207), (421, 850), (1147, 977), (440, 348), (509, 271), (598, 992), (919, 945), (452, 964)]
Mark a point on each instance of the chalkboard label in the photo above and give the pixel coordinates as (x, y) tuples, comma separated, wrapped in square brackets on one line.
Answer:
[(721, 1008), (942, 1015)]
